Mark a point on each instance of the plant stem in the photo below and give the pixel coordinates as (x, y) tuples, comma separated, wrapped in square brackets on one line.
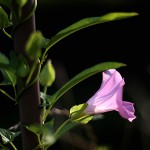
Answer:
[(31, 73), (44, 107), (14, 147), (15, 92), (2, 91), (66, 126), (60, 128), (29, 98), (4, 31)]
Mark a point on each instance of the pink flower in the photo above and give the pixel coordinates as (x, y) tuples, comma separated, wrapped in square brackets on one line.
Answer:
[(109, 97)]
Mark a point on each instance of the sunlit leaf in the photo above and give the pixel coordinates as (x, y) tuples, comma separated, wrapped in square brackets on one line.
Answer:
[(87, 22), (8, 136), (77, 114), (77, 109), (82, 76)]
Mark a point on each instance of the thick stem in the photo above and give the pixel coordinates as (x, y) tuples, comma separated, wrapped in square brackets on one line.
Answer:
[(30, 100)]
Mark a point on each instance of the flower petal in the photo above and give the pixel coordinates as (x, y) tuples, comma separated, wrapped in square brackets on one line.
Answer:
[(127, 111), (108, 102), (109, 97)]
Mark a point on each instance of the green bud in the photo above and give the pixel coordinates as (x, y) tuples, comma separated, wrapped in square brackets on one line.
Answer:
[(23, 67), (34, 45), (47, 75), (21, 3)]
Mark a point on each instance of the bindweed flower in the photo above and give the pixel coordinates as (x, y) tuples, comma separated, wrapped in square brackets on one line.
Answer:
[(109, 97)]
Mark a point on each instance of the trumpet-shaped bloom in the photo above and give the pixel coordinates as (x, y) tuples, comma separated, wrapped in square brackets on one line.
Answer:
[(109, 97)]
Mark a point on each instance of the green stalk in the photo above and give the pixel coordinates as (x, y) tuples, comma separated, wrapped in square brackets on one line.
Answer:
[(7, 34), (14, 147), (44, 107), (2, 91), (31, 73), (65, 127)]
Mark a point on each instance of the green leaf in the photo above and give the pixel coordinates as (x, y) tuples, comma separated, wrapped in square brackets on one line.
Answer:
[(4, 21), (84, 119), (87, 22), (47, 75), (35, 128), (77, 109), (34, 45), (77, 114), (46, 131), (46, 98), (49, 124), (3, 59), (9, 76), (45, 41), (38, 129), (8, 136), (82, 76)]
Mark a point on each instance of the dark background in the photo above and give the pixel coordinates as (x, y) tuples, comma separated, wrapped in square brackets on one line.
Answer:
[(124, 41)]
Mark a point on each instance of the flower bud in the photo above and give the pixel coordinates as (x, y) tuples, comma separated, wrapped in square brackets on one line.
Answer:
[(47, 75)]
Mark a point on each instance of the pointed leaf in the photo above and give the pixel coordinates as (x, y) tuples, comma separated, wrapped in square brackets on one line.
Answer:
[(4, 21), (77, 114), (9, 77), (8, 136), (45, 41), (35, 128), (82, 76), (3, 59), (78, 109), (46, 131), (84, 119), (49, 124), (87, 22)]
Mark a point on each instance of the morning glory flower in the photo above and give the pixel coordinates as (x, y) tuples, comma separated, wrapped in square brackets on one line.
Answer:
[(109, 97)]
